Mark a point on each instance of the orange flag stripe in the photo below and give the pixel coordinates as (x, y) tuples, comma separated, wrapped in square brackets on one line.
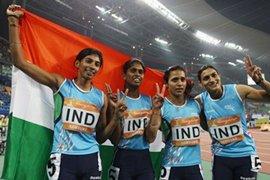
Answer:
[(54, 48)]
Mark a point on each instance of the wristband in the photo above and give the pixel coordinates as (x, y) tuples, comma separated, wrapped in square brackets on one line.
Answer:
[(14, 43), (260, 81), (13, 15), (13, 25)]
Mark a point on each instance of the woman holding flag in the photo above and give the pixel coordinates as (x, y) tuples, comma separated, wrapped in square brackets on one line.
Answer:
[(80, 119), (139, 121)]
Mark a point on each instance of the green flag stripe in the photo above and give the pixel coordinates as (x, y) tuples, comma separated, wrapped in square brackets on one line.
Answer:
[(28, 149)]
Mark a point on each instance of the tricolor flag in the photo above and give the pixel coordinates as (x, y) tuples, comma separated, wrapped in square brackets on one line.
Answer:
[(54, 48)]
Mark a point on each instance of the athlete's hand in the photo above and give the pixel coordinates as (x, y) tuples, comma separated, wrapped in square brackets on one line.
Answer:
[(116, 101), (253, 71), (120, 107), (15, 11), (189, 86), (158, 98), (111, 96)]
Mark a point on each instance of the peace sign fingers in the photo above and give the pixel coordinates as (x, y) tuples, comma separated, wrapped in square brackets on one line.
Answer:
[(248, 61), (120, 105), (124, 95), (108, 88), (158, 98), (253, 71), (162, 91), (112, 96)]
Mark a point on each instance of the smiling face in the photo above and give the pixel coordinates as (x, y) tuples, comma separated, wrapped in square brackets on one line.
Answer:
[(210, 80), (88, 66), (177, 83), (134, 75)]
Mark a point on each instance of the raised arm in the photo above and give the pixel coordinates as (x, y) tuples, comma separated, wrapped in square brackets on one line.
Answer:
[(109, 126), (103, 131), (118, 117), (14, 14), (247, 92), (155, 120)]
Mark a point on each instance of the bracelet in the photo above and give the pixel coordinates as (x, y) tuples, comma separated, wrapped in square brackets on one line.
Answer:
[(15, 43), (155, 111), (13, 25), (13, 15), (154, 126), (259, 82)]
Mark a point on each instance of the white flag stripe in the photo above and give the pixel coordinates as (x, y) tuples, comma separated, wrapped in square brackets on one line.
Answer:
[(33, 101), (157, 145)]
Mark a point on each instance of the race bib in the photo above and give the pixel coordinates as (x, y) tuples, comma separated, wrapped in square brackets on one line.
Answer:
[(79, 116), (53, 166), (114, 173), (256, 163), (165, 173), (185, 131), (135, 122), (226, 130)]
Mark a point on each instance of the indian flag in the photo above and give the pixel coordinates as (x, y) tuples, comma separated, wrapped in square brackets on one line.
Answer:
[(54, 48), (30, 129)]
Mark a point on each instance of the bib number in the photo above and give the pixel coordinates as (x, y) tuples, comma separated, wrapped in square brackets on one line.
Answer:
[(53, 166), (114, 173), (165, 173), (256, 163)]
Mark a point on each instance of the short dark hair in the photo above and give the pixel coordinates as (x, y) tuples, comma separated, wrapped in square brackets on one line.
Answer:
[(203, 68), (90, 51), (169, 70), (190, 83), (131, 62)]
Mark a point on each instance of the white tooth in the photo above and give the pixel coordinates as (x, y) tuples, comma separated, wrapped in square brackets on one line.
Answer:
[(137, 80)]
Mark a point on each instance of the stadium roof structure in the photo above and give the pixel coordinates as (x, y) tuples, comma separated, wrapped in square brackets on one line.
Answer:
[(191, 33)]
